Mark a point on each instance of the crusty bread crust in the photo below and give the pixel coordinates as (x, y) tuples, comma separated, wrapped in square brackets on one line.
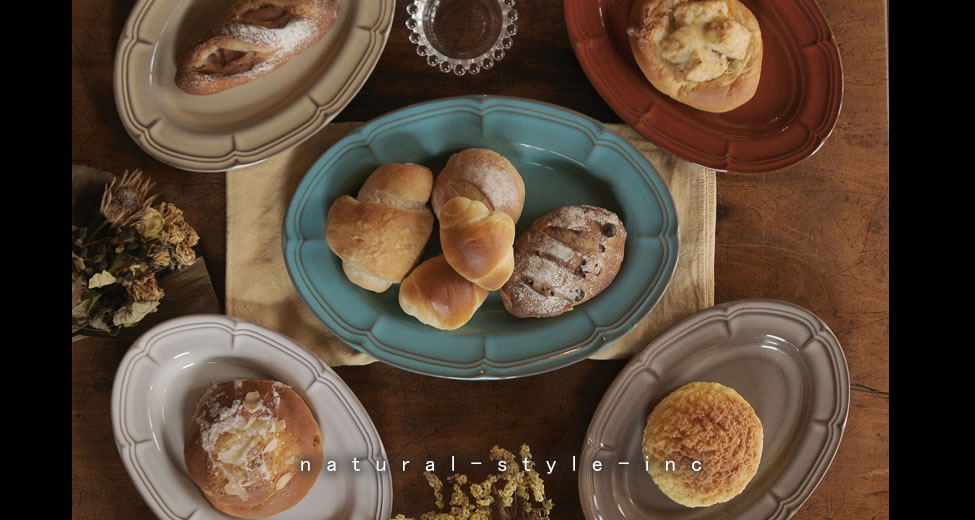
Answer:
[(224, 426), (252, 39), (564, 259), (652, 20), (482, 175)]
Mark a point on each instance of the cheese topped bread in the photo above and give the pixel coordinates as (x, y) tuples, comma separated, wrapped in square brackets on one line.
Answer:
[(703, 53)]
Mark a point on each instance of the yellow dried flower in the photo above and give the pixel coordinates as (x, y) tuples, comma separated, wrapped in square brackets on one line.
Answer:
[(183, 254), (175, 228), (151, 223), (145, 289), (513, 502), (161, 259)]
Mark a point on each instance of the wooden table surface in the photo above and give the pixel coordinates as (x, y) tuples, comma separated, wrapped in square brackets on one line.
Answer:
[(815, 235)]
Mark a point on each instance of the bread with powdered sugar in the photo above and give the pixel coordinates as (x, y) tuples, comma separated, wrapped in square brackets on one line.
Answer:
[(564, 259), (252, 39)]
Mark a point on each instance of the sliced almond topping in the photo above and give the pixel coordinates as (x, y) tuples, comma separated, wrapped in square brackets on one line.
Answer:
[(271, 445), (283, 481), (234, 488), (252, 400)]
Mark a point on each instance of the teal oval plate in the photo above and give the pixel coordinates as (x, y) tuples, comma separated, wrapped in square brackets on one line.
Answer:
[(565, 158)]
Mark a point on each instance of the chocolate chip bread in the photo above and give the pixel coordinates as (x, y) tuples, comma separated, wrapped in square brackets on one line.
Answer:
[(564, 259)]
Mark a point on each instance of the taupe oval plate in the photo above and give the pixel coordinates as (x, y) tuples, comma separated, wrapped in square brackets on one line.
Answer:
[(782, 359), (248, 123)]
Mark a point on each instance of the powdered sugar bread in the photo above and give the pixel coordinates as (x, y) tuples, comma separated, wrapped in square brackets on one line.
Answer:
[(252, 39), (246, 446), (564, 259)]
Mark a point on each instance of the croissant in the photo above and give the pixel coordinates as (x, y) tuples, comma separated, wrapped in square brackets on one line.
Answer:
[(477, 242), (380, 235), (252, 39)]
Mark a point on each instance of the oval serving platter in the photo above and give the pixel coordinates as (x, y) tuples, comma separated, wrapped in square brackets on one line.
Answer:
[(792, 114), (248, 123), (565, 158), (161, 379), (781, 358)]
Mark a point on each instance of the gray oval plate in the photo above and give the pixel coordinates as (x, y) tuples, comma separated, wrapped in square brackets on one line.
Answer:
[(782, 359), (164, 374)]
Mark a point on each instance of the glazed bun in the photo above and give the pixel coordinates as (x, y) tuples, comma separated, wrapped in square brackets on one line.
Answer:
[(380, 234), (437, 296), (708, 424), (482, 175), (246, 444), (704, 53), (477, 242)]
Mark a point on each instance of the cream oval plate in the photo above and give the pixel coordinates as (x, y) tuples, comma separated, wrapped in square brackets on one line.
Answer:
[(782, 359), (248, 123), (164, 374)]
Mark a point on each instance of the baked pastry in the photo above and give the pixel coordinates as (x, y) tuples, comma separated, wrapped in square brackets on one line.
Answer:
[(436, 295), (253, 447), (564, 259), (713, 439), (381, 234), (703, 53), (252, 39), (482, 175), (477, 242)]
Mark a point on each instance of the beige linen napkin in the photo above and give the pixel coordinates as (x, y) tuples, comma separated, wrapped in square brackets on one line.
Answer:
[(260, 290)]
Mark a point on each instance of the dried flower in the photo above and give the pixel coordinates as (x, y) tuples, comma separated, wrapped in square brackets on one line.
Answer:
[(125, 198), (145, 288), (114, 267), (151, 223), (522, 497), (183, 254)]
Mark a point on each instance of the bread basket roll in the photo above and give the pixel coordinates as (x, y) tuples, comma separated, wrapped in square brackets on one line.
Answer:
[(381, 234), (482, 175), (436, 295), (477, 242), (253, 447)]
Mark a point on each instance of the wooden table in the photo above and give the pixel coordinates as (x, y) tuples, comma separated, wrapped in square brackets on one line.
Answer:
[(816, 235)]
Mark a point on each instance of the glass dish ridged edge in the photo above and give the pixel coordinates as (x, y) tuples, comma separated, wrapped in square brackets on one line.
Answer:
[(447, 64)]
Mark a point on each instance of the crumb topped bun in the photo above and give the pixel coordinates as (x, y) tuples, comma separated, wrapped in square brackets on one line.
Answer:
[(246, 444), (708, 427), (703, 53)]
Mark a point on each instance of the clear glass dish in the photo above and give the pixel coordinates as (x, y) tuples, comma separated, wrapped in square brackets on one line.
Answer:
[(462, 36)]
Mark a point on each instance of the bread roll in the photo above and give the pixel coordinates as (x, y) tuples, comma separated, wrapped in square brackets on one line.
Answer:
[(482, 175), (252, 39), (380, 235), (713, 438), (564, 259), (477, 242), (246, 444), (703, 53), (436, 295)]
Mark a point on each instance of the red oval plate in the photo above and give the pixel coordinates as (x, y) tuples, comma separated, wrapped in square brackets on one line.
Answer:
[(791, 116)]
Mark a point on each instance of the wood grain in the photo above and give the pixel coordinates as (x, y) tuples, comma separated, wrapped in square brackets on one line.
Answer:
[(816, 235)]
